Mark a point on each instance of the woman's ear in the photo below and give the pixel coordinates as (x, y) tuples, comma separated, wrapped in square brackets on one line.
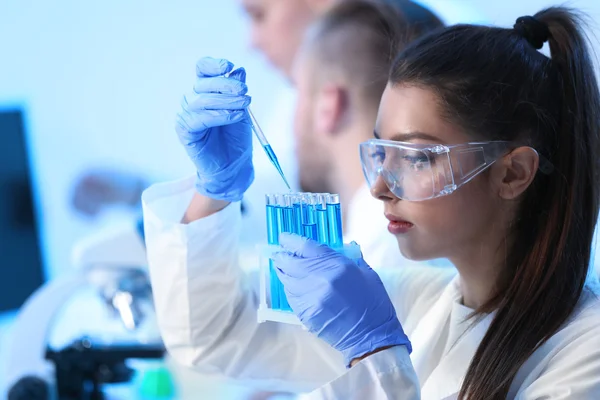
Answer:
[(514, 172)]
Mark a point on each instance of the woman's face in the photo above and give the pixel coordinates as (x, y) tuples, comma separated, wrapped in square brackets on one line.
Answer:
[(450, 226)]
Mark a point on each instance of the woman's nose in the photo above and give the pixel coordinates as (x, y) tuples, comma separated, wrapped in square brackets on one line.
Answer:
[(380, 190)]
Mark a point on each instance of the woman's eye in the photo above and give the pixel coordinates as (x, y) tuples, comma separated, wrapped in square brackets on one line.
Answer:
[(417, 162), (378, 155)]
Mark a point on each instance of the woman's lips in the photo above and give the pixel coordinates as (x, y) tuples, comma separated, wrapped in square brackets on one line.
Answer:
[(398, 226)]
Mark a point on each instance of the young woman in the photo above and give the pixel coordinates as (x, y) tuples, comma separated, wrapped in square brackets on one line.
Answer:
[(485, 153)]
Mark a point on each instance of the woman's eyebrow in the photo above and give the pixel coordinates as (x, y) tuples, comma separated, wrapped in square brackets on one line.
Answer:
[(405, 137)]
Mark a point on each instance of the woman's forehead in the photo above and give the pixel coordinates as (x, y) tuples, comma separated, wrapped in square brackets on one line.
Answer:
[(410, 113)]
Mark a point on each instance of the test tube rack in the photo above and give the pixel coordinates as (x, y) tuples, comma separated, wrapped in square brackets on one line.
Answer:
[(317, 216)]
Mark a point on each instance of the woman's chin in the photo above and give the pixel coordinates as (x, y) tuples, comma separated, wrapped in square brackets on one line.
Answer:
[(415, 254)]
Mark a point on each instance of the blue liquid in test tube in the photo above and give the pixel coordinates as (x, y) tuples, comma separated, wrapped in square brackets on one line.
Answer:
[(304, 207), (313, 215), (284, 224), (310, 229), (274, 220), (322, 227), (297, 206), (311, 232), (288, 214), (272, 229), (334, 216)]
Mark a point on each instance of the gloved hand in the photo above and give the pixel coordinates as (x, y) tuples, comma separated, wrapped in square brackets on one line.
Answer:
[(341, 301), (215, 129)]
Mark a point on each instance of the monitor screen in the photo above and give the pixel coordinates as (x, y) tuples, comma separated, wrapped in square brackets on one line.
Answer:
[(21, 270)]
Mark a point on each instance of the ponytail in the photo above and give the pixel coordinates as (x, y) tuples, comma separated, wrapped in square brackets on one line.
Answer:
[(550, 274)]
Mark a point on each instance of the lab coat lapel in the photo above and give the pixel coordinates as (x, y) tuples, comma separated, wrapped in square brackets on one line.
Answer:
[(445, 381), (426, 335)]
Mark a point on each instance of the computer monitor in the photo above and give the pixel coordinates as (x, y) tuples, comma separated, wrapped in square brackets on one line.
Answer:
[(21, 270)]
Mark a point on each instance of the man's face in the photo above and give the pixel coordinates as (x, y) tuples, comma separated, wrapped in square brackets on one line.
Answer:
[(312, 154), (277, 28)]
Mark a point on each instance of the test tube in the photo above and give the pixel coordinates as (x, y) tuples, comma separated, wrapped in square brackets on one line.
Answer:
[(322, 200), (309, 223), (272, 228), (288, 215), (311, 231), (284, 224), (322, 227), (334, 217), (313, 215), (313, 207), (280, 216), (304, 208), (297, 206)]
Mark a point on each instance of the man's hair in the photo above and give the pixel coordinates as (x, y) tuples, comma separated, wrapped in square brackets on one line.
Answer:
[(358, 39)]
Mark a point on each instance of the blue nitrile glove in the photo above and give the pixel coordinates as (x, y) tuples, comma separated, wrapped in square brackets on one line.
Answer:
[(341, 301), (215, 129)]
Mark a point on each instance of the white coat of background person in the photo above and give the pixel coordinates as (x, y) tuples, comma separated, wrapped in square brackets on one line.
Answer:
[(516, 217)]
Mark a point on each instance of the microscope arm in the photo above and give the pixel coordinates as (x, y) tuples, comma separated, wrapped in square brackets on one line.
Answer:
[(28, 339)]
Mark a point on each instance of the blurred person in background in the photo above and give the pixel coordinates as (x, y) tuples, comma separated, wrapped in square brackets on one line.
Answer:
[(340, 74), (276, 31)]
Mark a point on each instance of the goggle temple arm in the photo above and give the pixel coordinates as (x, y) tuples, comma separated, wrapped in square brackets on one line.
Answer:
[(471, 159)]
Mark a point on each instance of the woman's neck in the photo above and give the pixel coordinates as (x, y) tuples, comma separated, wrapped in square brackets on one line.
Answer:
[(479, 273), (475, 292)]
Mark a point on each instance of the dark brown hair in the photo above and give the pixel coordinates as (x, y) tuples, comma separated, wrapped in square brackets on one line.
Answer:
[(495, 84)]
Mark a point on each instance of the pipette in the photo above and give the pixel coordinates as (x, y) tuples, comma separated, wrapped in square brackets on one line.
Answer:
[(267, 147)]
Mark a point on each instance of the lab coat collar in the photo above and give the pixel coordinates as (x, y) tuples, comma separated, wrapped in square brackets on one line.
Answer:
[(441, 375)]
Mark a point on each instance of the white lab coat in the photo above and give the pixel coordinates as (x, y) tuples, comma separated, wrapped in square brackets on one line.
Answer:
[(206, 310)]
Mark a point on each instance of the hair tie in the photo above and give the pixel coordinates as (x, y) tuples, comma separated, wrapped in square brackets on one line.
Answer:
[(534, 31)]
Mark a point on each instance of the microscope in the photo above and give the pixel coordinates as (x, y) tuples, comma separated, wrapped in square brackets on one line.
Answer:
[(112, 264)]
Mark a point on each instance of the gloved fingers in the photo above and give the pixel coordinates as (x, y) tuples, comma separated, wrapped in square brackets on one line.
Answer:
[(216, 101), (303, 247), (290, 266), (362, 264), (369, 274), (296, 289), (239, 75), (208, 66), (188, 122), (220, 84)]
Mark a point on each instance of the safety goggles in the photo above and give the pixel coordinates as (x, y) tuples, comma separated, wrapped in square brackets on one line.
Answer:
[(417, 172)]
